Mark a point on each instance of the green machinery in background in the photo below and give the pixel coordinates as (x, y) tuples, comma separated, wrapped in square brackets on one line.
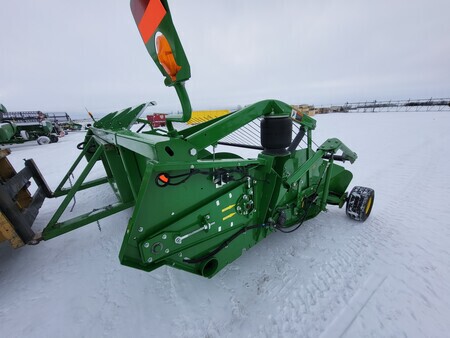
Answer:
[(64, 121), (196, 208), (19, 131), (7, 130)]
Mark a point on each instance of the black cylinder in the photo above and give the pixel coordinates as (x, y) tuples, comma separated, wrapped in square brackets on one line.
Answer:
[(276, 135)]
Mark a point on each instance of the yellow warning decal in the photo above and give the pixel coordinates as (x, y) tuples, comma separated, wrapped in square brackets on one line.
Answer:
[(228, 207), (228, 216)]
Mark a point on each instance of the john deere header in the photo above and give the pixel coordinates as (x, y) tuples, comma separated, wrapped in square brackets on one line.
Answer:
[(198, 205)]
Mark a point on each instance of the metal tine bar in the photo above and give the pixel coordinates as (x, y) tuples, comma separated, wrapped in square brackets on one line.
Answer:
[(239, 135), (247, 132), (247, 137), (250, 135), (239, 138), (255, 127)]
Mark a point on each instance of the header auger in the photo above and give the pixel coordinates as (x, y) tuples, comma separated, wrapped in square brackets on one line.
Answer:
[(195, 208)]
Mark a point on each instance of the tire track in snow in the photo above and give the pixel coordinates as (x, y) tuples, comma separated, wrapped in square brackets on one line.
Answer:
[(408, 175), (311, 306)]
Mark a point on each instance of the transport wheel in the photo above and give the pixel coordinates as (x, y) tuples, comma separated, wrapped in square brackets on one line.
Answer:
[(43, 140), (53, 138), (360, 203)]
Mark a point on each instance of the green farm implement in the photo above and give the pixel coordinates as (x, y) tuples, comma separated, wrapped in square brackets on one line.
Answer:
[(20, 127), (197, 205)]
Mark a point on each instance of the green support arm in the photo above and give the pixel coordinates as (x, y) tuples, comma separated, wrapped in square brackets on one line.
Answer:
[(329, 146), (333, 145)]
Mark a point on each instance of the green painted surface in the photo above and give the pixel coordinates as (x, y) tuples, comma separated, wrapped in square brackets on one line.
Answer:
[(7, 131), (194, 210)]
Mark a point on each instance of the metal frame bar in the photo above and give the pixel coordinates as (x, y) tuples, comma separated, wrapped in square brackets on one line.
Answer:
[(75, 187), (82, 220), (61, 191)]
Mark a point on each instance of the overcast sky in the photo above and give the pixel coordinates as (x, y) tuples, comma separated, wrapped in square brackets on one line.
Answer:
[(61, 55)]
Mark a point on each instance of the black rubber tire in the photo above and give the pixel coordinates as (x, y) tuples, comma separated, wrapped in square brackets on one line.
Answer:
[(53, 138), (43, 140), (360, 203)]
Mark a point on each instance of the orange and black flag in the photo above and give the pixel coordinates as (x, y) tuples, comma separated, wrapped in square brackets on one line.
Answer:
[(155, 24)]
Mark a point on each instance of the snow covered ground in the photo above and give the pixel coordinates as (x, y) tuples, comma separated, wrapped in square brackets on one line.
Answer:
[(387, 277)]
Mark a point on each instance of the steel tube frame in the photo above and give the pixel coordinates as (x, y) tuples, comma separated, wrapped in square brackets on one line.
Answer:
[(54, 221)]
